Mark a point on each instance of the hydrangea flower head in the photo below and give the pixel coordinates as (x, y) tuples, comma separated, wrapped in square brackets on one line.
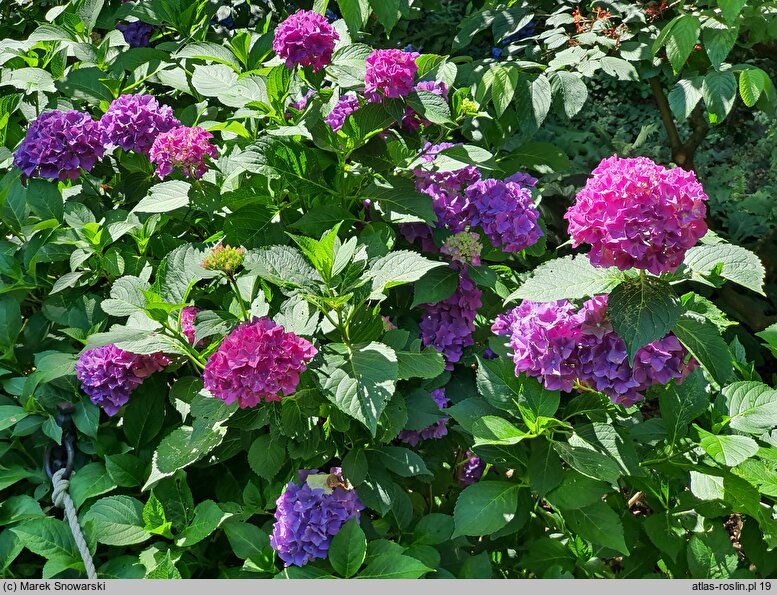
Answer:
[(390, 73), (305, 38), (522, 179), (345, 106), (257, 360), (224, 258), (544, 338), (506, 213), (411, 120), (436, 430), (136, 33), (471, 470), (301, 103), (310, 513), (58, 145), (109, 375), (133, 122), (463, 248), (182, 147), (188, 314), (448, 325), (635, 213)]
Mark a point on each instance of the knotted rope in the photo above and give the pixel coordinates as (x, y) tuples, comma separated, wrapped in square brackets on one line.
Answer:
[(62, 499)]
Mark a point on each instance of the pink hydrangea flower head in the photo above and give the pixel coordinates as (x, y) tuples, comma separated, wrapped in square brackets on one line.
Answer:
[(257, 360), (390, 73), (310, 513), (305, 38), (463, 248), (635, 213), (448, 325), (436, 430), (58, 145), (506, 213), (411, 120), (182, 147), (133, 122), (109, 375), (544, 338), (345, 106), (188, 314)]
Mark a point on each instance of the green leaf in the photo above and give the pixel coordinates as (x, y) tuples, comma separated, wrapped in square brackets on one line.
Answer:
[(728, 450), (433, 529), (718, 40), (752, 83), (403, 461), (682, 403), (205, 50), (126, 470), (49, 538), (435, 286), (211, 80), (485, 507), (181, 447), (165, 569), (711, 555), (590, 462), (393, 566), (769, 335), (642, 310), (400, 201), (571, 277), (666, 532), (544, 467), (494, 430), (679, 37), (600, 524), (577, 490), (503, 84), (398, 268), (427, 364), (720, 91), (348, 549), (702, 339), (387, 12), (348, 65), (355, 13), (684, 96), (208, 516), (752, 407), (266, 456), (145, 413), (282, 265), (619, 68), (360, 380), (164, 197), (571, 90), (430, 106), (10, 415), (733, 263), (118, 520), (249, 542), (731, 8), (89, 481), (154, 520)]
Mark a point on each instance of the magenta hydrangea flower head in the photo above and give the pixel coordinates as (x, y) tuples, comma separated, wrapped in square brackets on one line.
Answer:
[(109, 375), (305, 38), (436, 430), (471, 470), (58, 145), (310, 513), (133, 122), (182, 147), (136, 33), (390, 73), (411, 120), (448, 325), (345, 106), (506, 213), (188, 314), (544, 338), (636, 213), (463, 248), (257, 360)]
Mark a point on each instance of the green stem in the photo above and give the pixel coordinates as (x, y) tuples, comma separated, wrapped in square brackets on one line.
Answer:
[(240, 302)]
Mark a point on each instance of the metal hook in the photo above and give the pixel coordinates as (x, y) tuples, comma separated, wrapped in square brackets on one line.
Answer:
[(62, 456)]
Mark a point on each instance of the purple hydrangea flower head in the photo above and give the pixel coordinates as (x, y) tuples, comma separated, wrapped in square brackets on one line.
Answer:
[(471, 470), (636, 213), (446, 189), (544, 338), (301, 103), (133, 122), (182, 147), (58, 145), (522, 179), (136, 33), (448, 325), (463, 248), (310, 513), (411, 120), (489, 353), (257, 360), (506, 213), (345, 106), (437, 430), (390, 73), (188, 314), (109, 375), (305, 38)]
